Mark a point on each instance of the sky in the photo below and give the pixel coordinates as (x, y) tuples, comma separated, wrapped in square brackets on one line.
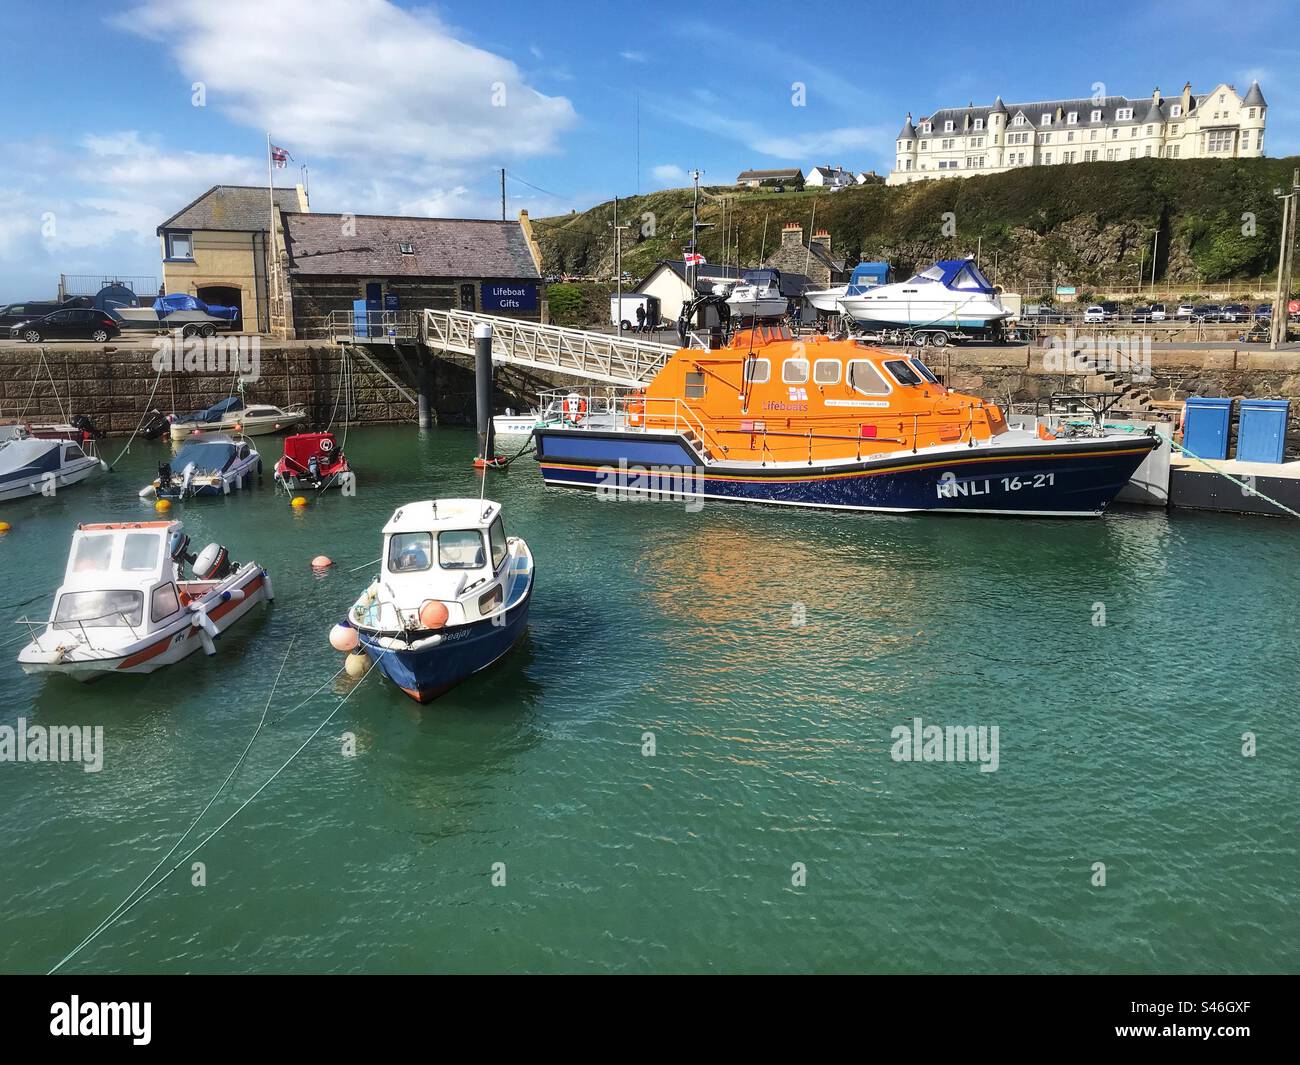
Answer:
[(119, 115)]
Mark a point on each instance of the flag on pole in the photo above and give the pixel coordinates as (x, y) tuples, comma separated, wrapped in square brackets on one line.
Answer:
[(280, 157), (693, 258)]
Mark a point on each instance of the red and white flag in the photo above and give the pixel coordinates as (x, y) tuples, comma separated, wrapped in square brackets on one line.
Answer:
[(694, 258), (280, 157)]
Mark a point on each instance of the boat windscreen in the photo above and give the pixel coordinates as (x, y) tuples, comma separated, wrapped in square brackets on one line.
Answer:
[(108, 608), (934, 273), (924, 371), (903, 372), (212, 456)]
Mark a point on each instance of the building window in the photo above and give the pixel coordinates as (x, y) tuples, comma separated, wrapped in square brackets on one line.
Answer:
[(1096, 116), (467, 298), (925, 127), (1174, 131), (925, 144), (1250, 112), (406, 249), (1070, 136), (1133, 132), (180, 246), (1114, 133), (1072, 118), (1220, 140), (1150, 130), (909, 165), (1047, 157), (947, 126), (1147, 153), (1175, 110), (979, 122), (1175, 152), (1124, 114), (1092, 135), (1046, 120), (1132, 153)]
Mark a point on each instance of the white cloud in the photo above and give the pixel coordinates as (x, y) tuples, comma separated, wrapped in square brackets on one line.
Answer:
[(634, 57), (668, 174), (360, 79)]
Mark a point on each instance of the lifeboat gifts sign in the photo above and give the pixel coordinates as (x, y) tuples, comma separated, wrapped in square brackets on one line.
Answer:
[(509, 297)]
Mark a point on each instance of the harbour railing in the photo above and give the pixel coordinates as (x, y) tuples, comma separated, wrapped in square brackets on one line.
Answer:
[(374, 327), (615, 360)]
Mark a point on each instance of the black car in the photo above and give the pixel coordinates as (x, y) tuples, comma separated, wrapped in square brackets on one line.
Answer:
[(1110, 309), (1208, 312), (76, 323), (1235, 312)]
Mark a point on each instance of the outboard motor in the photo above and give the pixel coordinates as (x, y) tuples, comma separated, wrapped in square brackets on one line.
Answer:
[(179, 551), (313, 467), (165, 476), (214, 564), (87, 427)]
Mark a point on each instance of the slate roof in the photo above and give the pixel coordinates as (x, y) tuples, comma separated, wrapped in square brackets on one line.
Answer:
[(908, 132), (769, 175), (233, 208), (443, 247), (1254, 98), (1143, 108)]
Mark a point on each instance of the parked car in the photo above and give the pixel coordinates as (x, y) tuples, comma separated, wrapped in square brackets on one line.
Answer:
[(1110, 309), (1185, 310), (1235, 312), (77, 323), (14, 313), (1158, 312), (1141, 314), (1095, 313), (1264, 310), (1208, 312), (1045, 313)]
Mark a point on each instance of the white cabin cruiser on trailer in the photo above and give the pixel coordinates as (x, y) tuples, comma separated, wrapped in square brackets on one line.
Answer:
[(758, 295), (952, 297)]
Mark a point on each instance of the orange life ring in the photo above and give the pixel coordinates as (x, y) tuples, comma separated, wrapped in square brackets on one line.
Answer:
[(575, 407)]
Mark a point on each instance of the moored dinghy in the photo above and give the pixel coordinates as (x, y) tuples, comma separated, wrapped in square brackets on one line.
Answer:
[(125, 607), (211, 464), (451, 597), (31, 466), (312, 460)]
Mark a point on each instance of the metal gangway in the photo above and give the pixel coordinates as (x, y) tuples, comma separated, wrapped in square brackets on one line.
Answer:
[(615, 360)]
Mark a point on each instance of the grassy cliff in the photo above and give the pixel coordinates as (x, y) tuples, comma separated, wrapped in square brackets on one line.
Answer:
[(1090, 224)]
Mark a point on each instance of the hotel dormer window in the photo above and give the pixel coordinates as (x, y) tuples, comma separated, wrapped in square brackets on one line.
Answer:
[(1072, 118), (1046, 120), (979, 122), (1019, 120), (1124, 114), (1175, 110), (1096, 116), (947, 126)]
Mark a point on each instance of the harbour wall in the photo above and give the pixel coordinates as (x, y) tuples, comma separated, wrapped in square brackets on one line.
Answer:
[(111, 384)]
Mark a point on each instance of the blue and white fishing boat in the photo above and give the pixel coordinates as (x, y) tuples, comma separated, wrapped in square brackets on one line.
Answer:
[(451, 597), (212, 464), (952, 295), (30, 466)]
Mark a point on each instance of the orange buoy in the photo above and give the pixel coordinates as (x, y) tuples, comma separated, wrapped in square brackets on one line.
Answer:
[(5, 526), (433, 614), (298, 501), (322, 562), (163, 505), (344, 638)]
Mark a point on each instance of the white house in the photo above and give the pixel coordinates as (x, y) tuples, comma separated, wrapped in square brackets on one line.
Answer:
[(963, 141), (667, 283), (829, 177)]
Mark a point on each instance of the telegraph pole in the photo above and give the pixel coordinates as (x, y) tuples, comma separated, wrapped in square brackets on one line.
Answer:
[(1285, 263), (503, 194)]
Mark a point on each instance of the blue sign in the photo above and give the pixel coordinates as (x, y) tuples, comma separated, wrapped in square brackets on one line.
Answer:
[(504, 296), (390, 301)]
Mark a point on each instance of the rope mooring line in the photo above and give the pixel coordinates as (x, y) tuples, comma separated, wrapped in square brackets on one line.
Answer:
[(148, 405)]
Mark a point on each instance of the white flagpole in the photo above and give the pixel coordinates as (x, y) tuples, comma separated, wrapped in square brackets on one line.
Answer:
[(272, 258)]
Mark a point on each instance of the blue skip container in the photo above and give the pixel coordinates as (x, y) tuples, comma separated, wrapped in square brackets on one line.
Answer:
[(1205, 426), (1261, 436)]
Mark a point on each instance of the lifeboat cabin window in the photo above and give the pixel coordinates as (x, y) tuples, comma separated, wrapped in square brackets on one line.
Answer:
[(106, 609), (499, 546), (826, 371), (460, 549), (865, 378), (489, 601), (695, 386), (903, 373), (757, 371), (794, 371), (409, 552), (924, 371), (164, 602)]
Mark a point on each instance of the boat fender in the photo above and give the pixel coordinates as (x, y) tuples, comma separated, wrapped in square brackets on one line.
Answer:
[(266, 582), (148, 492), (433, 614), (209, 648), (233, 593), (343, 637), (205, 624), (356, 664)]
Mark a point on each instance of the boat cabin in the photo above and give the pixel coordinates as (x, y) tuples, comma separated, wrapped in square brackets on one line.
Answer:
[(768, 397), (451, 550), (299, 451), (119, 575)]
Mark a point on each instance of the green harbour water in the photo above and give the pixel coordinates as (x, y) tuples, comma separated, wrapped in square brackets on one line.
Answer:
[(1119, 743)]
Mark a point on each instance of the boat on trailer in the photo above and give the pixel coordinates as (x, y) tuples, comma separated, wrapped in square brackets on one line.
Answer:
[(125, 605), (451, 597), (837, 424), (950, 300)]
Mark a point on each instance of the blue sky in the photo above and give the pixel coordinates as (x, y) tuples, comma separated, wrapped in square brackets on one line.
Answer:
[(412, 108)]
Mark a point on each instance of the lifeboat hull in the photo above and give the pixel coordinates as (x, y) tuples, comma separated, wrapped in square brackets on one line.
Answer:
[(1055, 478)]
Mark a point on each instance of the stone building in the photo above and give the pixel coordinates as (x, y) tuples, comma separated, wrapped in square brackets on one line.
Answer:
[(754, 178), (813, 259), (215, 248), (405, 263), (964, 141)]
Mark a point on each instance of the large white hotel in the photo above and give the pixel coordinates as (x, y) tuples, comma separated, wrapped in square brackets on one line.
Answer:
[(964, 141)]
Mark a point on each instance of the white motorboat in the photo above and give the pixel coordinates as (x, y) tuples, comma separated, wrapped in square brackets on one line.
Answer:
[(212, 464), (257, 420), (865, 276), (125, 607), (758, 295), (950, 295), (585, 408), (30, 466)]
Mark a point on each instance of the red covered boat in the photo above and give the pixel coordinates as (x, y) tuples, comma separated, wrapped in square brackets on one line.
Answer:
[(312, 460)]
